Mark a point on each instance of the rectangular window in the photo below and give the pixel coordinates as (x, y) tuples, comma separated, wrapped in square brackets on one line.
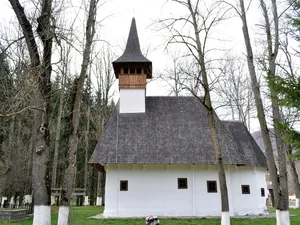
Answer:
[(245, 189), (211, 186), (182, 183), (123, 185), (262, 192)]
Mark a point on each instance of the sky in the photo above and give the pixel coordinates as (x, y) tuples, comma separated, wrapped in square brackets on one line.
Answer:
[(146, 13), (115, 17)]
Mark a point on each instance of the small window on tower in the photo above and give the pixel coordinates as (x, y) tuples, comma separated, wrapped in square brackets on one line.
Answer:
[(139, 70), (245, 189), (125, 70), (123, 185), (132, 71)]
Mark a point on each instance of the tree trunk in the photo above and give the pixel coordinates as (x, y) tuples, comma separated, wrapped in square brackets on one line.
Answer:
[(10, 152), (69, 176), (99, 189), (11, 132), (282, 207), (57, 132), (221, 172), (225, 220), (20, 159), (260, 109), (28, 187), (86, 138), (295, 181), (294, 176), (41, 78), (40, 168)]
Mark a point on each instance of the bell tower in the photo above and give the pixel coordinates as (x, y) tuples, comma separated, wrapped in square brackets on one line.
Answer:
[(132, 69)]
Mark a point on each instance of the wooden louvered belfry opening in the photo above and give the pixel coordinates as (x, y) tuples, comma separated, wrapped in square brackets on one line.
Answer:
[(132, 77)]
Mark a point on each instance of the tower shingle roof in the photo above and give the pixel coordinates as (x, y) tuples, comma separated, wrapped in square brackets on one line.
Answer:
[(132, 53)]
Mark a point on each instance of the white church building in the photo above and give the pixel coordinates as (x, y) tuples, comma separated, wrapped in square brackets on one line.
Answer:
[(158, 155)]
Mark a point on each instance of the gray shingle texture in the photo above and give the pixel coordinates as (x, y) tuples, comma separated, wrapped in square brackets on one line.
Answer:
[(173, 130)]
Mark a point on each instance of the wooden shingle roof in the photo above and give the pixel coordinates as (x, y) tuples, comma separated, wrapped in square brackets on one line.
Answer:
[(173, 130)]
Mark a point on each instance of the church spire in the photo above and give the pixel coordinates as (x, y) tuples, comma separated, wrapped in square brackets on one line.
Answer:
[(133, 44), (132, 56)]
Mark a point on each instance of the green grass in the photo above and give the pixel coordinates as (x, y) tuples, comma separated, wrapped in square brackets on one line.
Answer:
[(80, 215)]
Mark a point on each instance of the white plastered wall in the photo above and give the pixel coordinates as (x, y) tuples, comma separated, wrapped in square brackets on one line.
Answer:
[(152, 190), (252, 203), (132, 100)]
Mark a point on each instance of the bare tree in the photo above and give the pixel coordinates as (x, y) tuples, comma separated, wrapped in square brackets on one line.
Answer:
[(104, 75), (273, 48), (175, 75), (69, 176), (86, 136), (105, 78), (41, 74), (65, 58), (234, 90), (15, 96), (290, 116), (279, 193), (201, 24)]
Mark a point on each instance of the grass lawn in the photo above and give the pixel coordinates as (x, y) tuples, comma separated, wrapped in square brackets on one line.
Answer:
[(80, 215)]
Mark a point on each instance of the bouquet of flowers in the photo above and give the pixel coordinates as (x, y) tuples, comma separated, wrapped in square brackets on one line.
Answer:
[(152, 220)]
